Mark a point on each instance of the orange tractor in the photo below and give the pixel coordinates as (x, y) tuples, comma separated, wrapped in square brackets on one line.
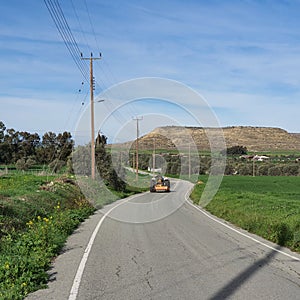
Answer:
[(159, 184)]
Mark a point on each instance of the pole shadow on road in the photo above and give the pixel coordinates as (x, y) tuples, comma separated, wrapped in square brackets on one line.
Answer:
[(238, 281)]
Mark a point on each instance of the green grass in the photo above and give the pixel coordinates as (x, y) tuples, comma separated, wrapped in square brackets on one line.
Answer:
[(13, 185), (37, 213), (267, 206)]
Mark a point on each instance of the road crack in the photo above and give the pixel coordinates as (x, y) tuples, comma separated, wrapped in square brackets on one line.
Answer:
[(133, 258), (147, 278), (149, 284), (118, 271)]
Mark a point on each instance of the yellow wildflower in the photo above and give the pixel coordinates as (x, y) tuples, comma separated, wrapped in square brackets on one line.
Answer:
[(30, 223)]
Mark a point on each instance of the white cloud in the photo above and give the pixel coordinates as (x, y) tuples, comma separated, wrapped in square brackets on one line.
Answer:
[(242, 56)]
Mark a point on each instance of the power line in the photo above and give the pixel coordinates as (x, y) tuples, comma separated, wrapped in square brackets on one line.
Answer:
[(63, 28), (79, 23), (92, 27), (99, 82)]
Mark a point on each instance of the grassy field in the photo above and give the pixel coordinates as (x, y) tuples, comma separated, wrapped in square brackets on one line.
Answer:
[(265, 205), (37, 214)]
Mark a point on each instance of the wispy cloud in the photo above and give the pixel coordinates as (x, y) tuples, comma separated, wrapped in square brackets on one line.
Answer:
[(243, 56)]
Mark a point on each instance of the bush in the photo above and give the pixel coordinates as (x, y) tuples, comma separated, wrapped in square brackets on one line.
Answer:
[(245, 169), (282, 234), (56, 165), (229, 169), (263, 170), (290, 170), (275, 171), (21, 164)]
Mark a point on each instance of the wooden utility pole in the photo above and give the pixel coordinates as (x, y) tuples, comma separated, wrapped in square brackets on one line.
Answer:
[(137, 119), (153, 156), (92, 87), (189, 161)]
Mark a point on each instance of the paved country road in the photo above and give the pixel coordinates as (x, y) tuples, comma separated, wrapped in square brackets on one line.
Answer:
[(186, 255)]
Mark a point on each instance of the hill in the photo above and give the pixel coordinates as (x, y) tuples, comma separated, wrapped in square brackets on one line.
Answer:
[(254, 138)]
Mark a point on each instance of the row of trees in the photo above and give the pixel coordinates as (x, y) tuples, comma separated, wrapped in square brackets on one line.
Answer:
[(21, 147), (24, 150)]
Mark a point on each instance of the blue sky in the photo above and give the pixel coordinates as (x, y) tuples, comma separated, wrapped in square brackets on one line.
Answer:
[(243, 57)]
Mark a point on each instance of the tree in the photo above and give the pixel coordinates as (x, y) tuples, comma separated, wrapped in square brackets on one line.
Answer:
[(47, 151), (27, 144), (105, 167), (5, 153), (2, 131), (16, 145), (11, 138), (235, 150), (64, 145)]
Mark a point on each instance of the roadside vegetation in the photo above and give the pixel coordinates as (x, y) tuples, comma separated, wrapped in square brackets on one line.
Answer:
[(268, 206), (37, 213)]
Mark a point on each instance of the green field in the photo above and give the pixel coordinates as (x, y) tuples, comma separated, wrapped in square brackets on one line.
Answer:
[(37, 214), (265, 205)]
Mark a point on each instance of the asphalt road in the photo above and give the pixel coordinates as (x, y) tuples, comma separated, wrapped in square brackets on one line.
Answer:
[(187, 254)]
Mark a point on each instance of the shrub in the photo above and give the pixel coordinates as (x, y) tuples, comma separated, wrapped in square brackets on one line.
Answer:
[(245, 169), (21, 164), (282, 234), (275, 171), (263, 170), (56, 165), (290, 170), (229, 169)]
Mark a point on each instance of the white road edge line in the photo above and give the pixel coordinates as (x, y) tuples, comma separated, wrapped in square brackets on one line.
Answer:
[(76, 282), (235, 230)]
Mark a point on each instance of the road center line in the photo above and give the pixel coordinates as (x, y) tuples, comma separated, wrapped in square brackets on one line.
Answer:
[(235, 230), (80, 270)]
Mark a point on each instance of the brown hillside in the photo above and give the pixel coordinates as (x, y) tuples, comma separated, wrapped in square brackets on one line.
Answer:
[(254, 138)]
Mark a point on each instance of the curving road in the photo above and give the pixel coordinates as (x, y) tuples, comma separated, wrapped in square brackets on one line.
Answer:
[(181, 252)]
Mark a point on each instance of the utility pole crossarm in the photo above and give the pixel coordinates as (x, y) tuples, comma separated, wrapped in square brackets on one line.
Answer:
[(92, 87)]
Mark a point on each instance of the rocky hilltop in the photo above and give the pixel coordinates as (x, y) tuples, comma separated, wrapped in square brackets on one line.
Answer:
[(254, 138)]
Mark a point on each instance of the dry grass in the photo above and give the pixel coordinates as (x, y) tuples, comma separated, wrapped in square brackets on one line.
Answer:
[(254, 138)]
